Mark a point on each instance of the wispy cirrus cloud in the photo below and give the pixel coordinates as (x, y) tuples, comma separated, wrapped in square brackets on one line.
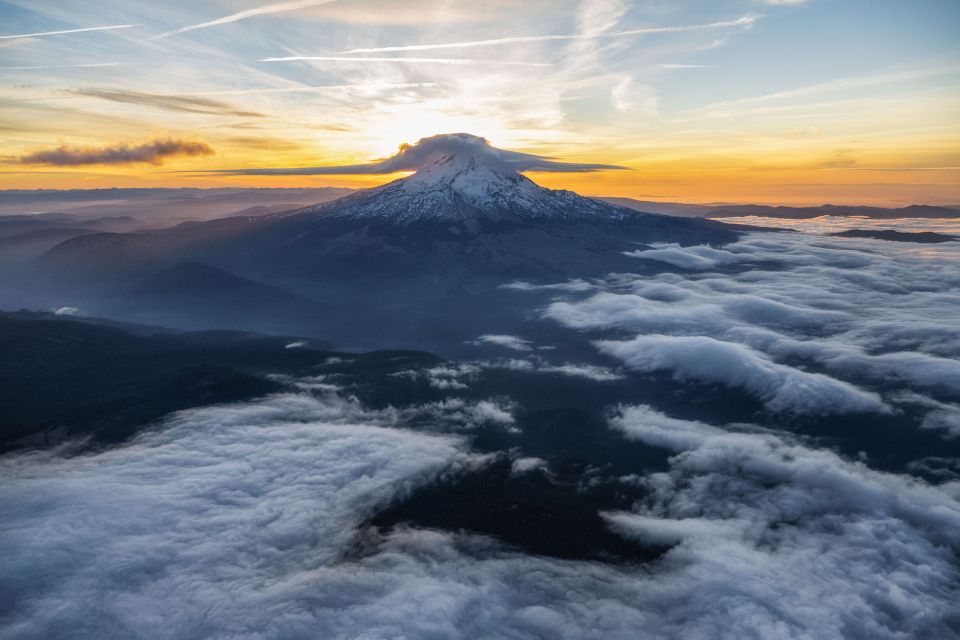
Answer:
[(276, 7), (40, 34), (38, 67), (376, 86), (184, 104), (455, 61), (840, 84), (746, 21), (149, 152)]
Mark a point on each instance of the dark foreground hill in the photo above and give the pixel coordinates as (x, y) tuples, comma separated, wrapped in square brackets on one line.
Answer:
[(64, 378)]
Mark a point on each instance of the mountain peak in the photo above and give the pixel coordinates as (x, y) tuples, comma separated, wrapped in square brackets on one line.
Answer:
[(462, 188), (461, 176), (473, 171), (434, 151), (462, 155)]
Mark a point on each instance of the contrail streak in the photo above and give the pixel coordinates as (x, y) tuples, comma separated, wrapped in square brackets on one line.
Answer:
[(740, 22), (409, 60), (57, 33), (325, 87), (64, 66), (276, 7)]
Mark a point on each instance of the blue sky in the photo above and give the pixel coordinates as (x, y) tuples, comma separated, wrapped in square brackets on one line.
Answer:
[(796, 100)]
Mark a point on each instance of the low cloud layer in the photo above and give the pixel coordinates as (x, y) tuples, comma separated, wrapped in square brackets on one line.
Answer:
[(452, 376), (806, 324), (243, 519), (781, 388), (767, 528), (508, 342), (835, 224), (437, 148), (151, 152)]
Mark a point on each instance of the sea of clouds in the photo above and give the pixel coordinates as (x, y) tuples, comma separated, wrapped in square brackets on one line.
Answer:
[(242, 521), (808, 325), (833, 224), (247, 520)]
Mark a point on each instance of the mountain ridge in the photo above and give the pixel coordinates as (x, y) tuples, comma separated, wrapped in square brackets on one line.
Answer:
[(425, 255)]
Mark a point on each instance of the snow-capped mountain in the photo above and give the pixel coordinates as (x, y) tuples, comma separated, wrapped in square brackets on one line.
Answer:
[(466, 184), (467, 209), (426, 253)]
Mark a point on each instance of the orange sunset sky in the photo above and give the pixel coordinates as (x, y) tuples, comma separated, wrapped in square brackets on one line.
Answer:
[(768, 101)]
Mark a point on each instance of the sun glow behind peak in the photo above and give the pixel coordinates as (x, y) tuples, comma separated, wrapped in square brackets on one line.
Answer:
[(705, 103)]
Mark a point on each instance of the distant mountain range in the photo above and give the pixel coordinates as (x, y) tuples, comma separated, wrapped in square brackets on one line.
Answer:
[(155, 207), (920, 237), (767, 211), (32, 222), (200, 203)]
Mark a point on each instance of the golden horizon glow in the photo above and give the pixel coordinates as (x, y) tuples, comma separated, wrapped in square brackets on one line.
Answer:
[(712, 108)]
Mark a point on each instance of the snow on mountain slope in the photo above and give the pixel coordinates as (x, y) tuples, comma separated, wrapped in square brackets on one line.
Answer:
[(423, 256), (467, 206), (462, 177)]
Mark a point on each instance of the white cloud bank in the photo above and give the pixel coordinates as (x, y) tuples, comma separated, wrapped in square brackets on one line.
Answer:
[(864, 316), (225, 517), (461, 375), (66, 311), (242, 519), (509, 342), (779, 540), (781, 388)]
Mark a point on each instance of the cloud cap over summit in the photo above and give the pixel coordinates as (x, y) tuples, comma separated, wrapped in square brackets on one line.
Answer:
[(429, 150)]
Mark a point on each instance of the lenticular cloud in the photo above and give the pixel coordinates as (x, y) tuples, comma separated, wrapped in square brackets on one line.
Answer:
[(413, 157)]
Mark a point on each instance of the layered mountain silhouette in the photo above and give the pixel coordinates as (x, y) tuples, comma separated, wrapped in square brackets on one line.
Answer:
[(420, 254), (687, 210)]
